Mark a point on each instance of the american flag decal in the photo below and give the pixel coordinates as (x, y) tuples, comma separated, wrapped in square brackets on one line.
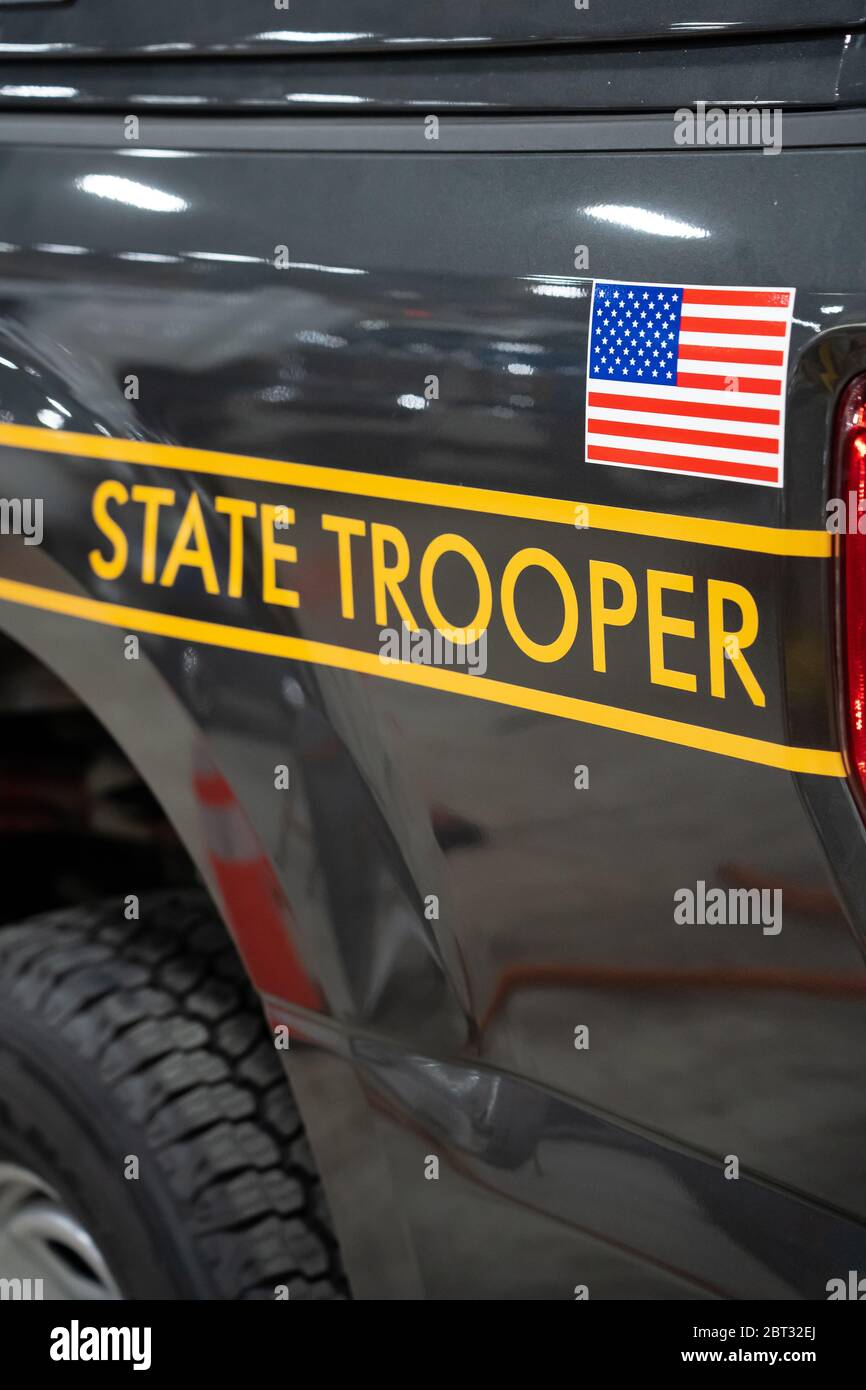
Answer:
[(689, 379)]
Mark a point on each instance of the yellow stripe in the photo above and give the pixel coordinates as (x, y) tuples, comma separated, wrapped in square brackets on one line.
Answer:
[(823, 762), (767, 540)]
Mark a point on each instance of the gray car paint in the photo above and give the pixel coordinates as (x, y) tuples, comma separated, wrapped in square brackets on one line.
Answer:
[(162, 28), (559, 1168)]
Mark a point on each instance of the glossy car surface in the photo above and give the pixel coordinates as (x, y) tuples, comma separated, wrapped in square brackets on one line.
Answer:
[(450, 1030)]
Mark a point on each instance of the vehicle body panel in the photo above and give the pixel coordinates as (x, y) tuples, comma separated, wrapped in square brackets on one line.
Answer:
[(224, 27), (454, 1036), (800, 69)]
